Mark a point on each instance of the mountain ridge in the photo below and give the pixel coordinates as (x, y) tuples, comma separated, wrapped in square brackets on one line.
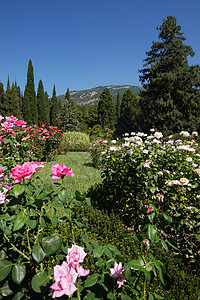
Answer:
[(92, 96)]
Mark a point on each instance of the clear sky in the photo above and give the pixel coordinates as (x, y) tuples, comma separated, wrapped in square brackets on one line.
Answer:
[(81, 44)]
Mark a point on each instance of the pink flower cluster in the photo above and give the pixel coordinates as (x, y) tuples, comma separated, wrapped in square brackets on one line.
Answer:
[(11, 122), (3, 196), (116, 272), (25, 171), (59, 171), (65, 275)]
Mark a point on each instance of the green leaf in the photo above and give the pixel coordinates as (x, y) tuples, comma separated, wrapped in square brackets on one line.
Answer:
[(5, 290), (19, 221), (167, 217), (107, 252), (90, 296), (91, 280), (152, 232), (18, 296), (18, 190), (39, 280), (38, 253), (5, 268), (158, 296), (88, 202), (43, 195), (111, 296), (114, 249), (98, 251), (172, 245), (51, 244), (32, 223), (62, 196), (18, 272), (164, 245), (151, 297), (125, 297)]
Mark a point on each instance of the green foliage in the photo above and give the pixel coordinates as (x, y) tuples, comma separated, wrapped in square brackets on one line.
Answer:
[(41, 104), (2, 100), (29, 100), (54, 113), (106, 111), (170, 96), (140, 174), (78, 141)]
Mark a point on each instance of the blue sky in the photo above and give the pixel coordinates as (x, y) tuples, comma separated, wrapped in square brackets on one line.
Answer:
[(81, 44)]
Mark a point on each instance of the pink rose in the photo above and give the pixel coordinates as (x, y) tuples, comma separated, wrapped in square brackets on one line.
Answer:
[(26, 170), (75, 255), (20, 123), (81, 271), (64, 277), (7, 125), (116, 272), (36, 165), (59, 171), (11, 119), (1, 173), (3, 196)]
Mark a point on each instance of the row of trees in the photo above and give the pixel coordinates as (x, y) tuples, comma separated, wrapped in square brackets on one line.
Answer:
[(169, 101)]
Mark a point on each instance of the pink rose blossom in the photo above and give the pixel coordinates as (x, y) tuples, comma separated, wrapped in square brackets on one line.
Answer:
[(36, 165), (1, 173), (7, 125), (21, 123), (11, 119), (64, 277), (81, 271), (59, 171), (116, 272), (75, 255), (3, 196), (26, 170), (1, 118)]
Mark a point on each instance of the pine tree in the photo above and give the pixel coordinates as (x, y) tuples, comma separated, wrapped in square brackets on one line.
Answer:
[(20, 99), (41, 104), (128, 112), (30, 101), (2, 100), (106, 110), (8, 99), (54, 113), (170, 100)]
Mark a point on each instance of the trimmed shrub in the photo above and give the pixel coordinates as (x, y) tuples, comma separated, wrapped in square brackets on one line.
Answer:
[(78, 141)]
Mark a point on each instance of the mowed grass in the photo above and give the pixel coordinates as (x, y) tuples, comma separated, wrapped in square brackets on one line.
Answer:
[(85, 175)]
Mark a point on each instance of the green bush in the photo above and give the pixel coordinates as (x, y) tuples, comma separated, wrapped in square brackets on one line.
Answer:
[(78, 141), (141, 174), (181, 283)]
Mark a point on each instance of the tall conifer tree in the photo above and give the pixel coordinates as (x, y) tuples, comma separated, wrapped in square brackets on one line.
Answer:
[(8, 99), (106, 110), (170, 99), (14, 107), (54, 113), (30, 101), (118, 106), (2, 100), (46, 97), (41, 104)]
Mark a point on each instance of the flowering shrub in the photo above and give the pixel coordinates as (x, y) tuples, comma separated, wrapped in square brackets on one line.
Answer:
[(145, 172), (19, 142), (97, 149)]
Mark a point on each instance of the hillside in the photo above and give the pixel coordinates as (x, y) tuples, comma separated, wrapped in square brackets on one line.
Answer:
[(91, 96)]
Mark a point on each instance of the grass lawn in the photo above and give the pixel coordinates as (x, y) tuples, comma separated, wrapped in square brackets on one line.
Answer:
[(81, 164)]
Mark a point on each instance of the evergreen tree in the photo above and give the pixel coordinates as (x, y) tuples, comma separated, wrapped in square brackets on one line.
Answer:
[(41, 104), (30, 101), (20, 99), (170, 100), (8, 99), (69, 120), (54, 113), (118, 106), (128, 112), (14, 107), (46, 97), (2, 100), (106, 110)]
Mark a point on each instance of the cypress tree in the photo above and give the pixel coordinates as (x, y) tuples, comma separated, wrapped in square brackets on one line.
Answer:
[(106, 110), (2, 100), (54, 114), (69, 120), (30, 101), (118, 106), (14, 107), (41, 104), (8, 99), (170, 99), (46, 97), (128, 112)]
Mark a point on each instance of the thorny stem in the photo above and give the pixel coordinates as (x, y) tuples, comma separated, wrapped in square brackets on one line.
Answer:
[(15, 248)]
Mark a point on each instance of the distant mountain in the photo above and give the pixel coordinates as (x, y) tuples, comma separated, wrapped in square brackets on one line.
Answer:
[(92, 96)]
